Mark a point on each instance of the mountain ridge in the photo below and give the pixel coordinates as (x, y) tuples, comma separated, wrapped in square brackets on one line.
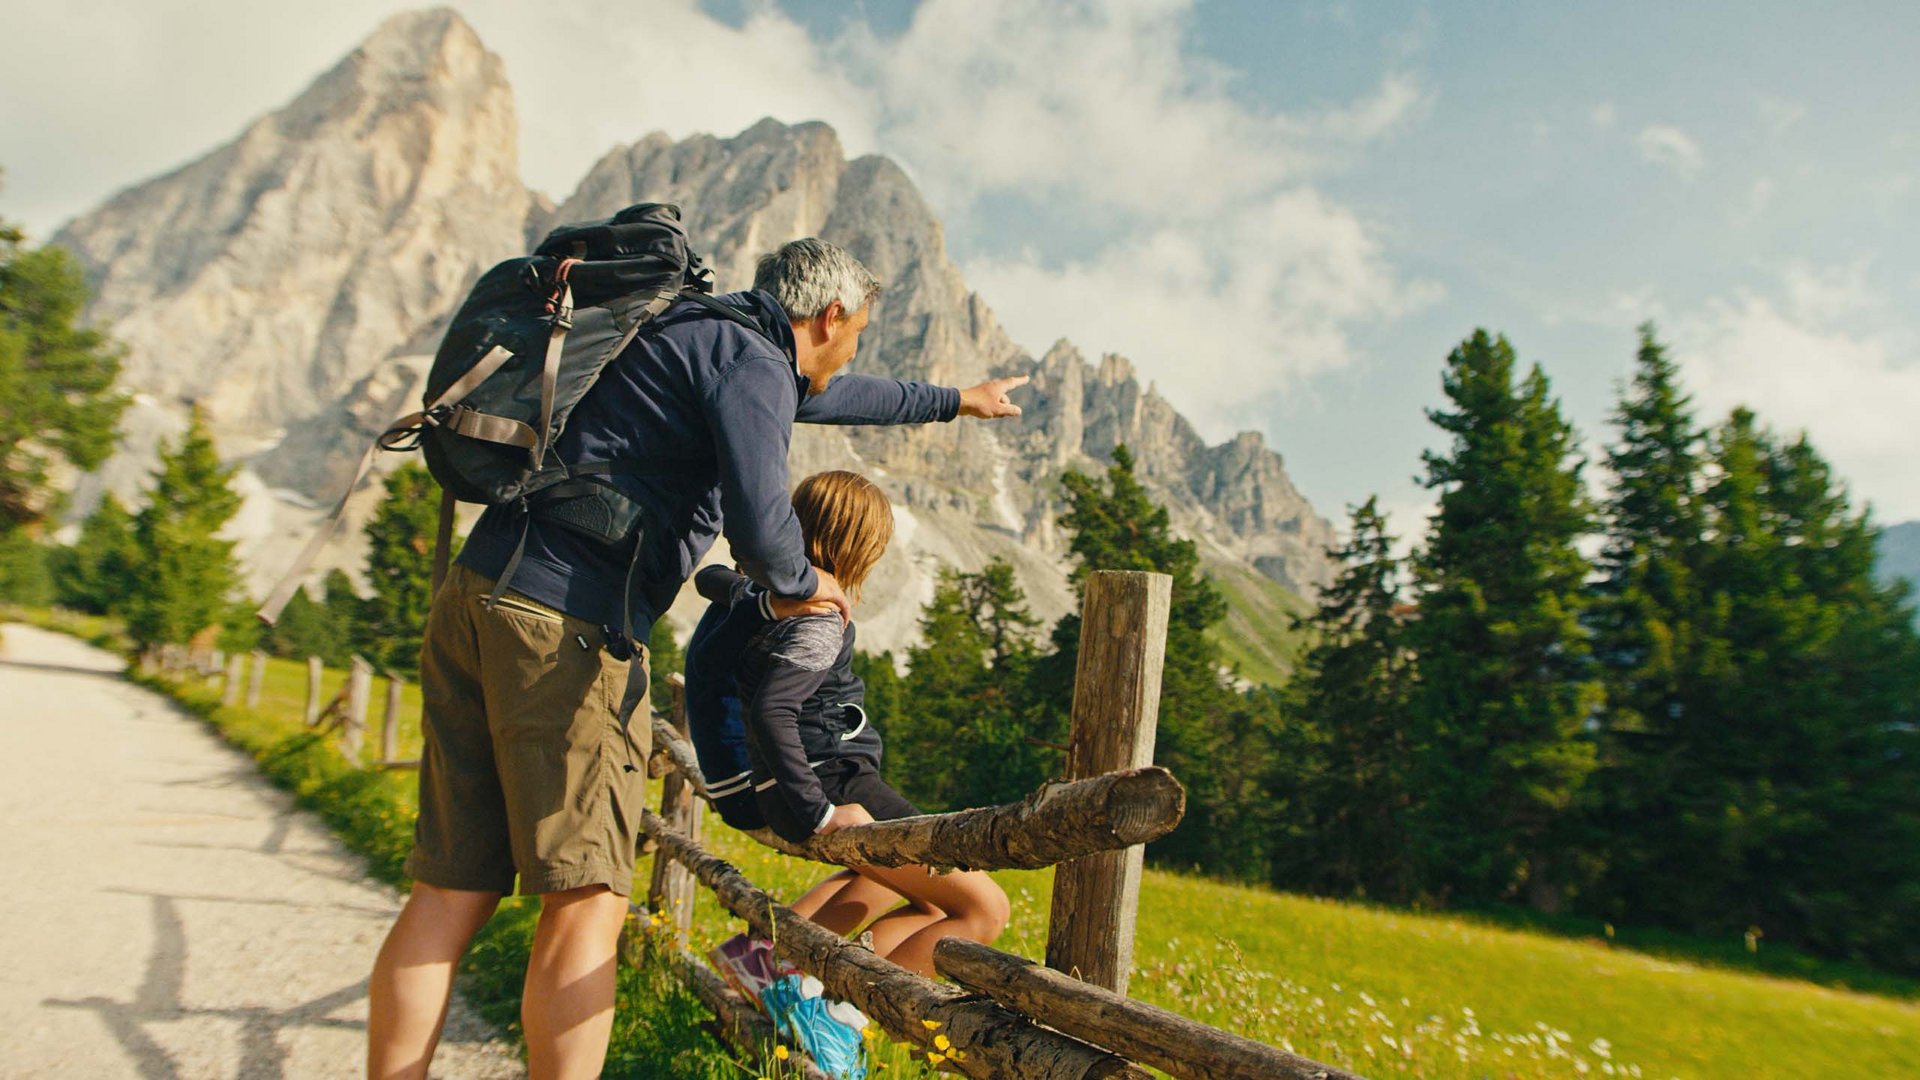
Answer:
[(293, 282)]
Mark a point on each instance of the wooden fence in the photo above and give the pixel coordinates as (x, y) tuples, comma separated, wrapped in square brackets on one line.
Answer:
[(1008, 1016), (342, 713)]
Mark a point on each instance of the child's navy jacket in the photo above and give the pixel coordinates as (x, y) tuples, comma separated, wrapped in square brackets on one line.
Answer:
[(797, 701)]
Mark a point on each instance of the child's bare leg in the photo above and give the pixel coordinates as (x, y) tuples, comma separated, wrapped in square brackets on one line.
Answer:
[(845, 902), (901, 923), (967, 905)]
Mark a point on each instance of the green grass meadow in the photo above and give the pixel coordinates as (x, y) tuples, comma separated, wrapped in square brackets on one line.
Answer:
[(1385, 993), (1394, 994)]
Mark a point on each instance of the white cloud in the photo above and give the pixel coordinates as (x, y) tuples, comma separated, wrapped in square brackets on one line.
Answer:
[(1221, 269), (1810, 357), (1779, 114), (1398, 101), (587, 77), (1759, 198), (1229, 276), (1603, 115), (1220, 314), (1669, 147)]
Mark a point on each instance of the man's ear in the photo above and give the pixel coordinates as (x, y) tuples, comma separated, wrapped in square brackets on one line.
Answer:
[(834, 314)]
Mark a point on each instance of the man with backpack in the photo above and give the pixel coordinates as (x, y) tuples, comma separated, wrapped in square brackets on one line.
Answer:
[(532, 768)]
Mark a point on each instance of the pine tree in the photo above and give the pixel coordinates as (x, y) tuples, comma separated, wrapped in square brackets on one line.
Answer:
[(1505, 693), (1791, 779), (961, 739), (309, 627), (187, 580), (96, 574), (1218, 742), (886, 689), (1344, 775), (57, 403), (345, 613), (25, 570), (400, 569), (1645, 614)]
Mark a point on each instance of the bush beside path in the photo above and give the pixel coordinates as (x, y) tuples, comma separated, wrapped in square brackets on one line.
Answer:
[(174, 915)]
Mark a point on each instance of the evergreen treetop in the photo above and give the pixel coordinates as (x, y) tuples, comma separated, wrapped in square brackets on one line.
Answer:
[(56, 378), (1505, 695), (187, 578)]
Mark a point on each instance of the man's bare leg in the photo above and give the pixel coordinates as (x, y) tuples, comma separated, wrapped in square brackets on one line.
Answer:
[(413, 977), (567, 1012)]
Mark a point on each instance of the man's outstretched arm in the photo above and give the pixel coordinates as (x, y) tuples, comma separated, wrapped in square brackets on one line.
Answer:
[(872, 399)]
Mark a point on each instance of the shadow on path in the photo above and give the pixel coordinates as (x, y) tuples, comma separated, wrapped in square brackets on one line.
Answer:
[(63, 669), (158, 1001)]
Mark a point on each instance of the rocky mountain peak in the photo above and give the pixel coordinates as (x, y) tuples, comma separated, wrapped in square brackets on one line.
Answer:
[(295, 281), (262, 277), (414, 56)]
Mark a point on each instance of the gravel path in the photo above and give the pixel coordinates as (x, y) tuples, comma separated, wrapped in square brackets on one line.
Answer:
[(171, 914)]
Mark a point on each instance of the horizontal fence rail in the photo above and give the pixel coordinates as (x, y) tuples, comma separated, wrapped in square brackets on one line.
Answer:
[(1063, 820), (1182, 1048), (992, 1041)]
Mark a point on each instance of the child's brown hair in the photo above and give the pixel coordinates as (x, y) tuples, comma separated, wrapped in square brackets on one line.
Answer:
[(847, 521)]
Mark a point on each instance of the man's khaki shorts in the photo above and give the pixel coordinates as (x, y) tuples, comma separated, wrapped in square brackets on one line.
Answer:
[(528, 768)]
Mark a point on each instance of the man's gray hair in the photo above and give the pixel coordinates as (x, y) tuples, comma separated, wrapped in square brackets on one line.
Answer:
[(807, 275)]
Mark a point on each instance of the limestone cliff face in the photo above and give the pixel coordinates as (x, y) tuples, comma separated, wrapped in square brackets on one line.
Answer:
[(294, 281), (264, 277)]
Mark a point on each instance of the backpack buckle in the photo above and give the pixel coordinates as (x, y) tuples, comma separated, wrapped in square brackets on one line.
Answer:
[(619, 645)]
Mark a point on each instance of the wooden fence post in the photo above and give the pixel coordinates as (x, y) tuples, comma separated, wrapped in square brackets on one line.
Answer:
[(353, 732), (216, 664), (390, 722), (236, 670), (257, 680), (1116, 706), (313, 690), (670, 893)]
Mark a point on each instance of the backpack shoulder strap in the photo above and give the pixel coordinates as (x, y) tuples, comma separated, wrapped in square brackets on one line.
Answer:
[(722, 309)]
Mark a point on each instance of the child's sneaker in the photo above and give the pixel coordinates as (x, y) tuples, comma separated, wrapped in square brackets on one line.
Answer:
[(798, 1010), (747, 964)]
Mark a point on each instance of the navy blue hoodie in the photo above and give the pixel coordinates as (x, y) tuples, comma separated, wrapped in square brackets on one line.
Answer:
[(707, 407)]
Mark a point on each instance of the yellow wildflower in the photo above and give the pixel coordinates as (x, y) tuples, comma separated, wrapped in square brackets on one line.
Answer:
[(930, 1025), (781, 1052), (941, 1042), (935, 1059)]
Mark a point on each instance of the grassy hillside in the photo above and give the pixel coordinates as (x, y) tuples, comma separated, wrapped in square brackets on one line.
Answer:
[(1258, 635), (1386, 993), (1393, 994)]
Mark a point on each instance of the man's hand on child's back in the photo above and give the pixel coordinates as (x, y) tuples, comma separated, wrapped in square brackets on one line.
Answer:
[(828, 592), (843, 816), (793, 609)]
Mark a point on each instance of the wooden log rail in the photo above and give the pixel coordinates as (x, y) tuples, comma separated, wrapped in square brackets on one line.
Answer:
[(1063, 820), (991, 1040), (1180, 1047)]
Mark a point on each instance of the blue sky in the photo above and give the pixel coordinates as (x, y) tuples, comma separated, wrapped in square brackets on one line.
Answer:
[(1284, 214)]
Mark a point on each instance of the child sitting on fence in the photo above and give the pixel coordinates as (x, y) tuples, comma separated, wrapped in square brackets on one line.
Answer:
[(779, 723)]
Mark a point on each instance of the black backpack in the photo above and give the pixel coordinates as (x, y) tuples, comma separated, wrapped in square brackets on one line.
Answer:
[(525, 346)]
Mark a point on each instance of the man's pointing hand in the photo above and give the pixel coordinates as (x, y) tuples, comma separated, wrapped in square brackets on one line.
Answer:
[(989, 400)]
